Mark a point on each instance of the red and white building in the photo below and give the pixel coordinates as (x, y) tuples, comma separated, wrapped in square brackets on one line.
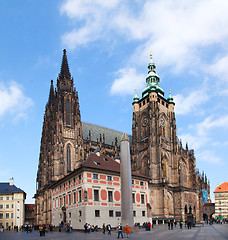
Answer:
[(92, 194)]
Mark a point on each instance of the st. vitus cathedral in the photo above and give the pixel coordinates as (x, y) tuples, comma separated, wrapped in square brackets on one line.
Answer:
[(175, 185)]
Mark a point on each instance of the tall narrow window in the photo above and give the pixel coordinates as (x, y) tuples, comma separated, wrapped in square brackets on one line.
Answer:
[(133, 198), (68, 159), (80, 195), (96, 195), (110, 198), (68, 108)]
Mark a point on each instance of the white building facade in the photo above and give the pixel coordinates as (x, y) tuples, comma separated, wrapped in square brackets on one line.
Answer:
[(12, 202), (92, 194), (221, 201)]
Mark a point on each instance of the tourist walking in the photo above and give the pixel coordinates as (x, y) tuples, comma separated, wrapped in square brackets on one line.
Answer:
[(171, 225), (181, 224), (120, 231), (103, 228), (85, 226), (41, 230), (109, 229), (127, 230)]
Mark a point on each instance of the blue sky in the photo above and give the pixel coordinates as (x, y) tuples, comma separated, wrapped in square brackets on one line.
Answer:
[(108, 45)]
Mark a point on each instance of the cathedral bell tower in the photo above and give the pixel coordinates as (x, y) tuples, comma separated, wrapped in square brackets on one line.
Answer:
[(153, 130), (61, 148)]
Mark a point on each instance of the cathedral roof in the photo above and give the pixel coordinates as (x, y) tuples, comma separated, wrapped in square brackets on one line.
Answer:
[(97, 131), (222, 188), (6, 188)]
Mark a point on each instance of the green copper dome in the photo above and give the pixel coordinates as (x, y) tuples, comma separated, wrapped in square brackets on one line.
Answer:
[(152, 80), (136, 97), (170, 98)]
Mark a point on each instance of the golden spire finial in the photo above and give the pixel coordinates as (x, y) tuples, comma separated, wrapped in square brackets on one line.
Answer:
[(151, 53)]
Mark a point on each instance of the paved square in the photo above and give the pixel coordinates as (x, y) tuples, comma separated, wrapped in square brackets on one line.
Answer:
[(208, 232)]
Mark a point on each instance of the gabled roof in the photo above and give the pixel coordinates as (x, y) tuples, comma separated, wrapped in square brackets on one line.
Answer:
[(105, 163), (98, 163), (6, 188), (222, 188), (101, 162), (97, 131)]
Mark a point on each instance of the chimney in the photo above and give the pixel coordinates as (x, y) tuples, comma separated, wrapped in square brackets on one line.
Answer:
[(11, 181)]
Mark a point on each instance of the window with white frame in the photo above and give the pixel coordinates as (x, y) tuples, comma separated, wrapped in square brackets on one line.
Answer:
[(69, 198), (96, 195), (80, 195), (74, 197), (110, 196), (97, 213)]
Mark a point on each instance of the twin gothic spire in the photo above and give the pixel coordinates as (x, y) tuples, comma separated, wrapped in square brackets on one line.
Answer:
[(65, 72)]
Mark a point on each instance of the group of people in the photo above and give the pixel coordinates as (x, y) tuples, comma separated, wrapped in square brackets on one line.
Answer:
[(108, 227), (120, 231), (170, 225), (148, 225), (88, 227)]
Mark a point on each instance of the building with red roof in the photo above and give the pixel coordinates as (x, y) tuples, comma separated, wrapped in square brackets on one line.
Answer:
[(221, 201), (91, 194)]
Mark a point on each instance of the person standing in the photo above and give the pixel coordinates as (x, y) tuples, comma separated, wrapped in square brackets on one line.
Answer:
[(109, 229), (120, 231), (41, 230), (127, 230), (149, 225), (103, 228), (44, 229), (181, 224), (169, 225), (85, 226)]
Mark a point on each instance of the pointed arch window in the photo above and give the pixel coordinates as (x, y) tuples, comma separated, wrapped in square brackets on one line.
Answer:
[(68, 112), (68, 158), (164, 168)]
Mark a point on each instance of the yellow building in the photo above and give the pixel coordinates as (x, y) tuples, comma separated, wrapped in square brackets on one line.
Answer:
[(12, 201), (221, 201)]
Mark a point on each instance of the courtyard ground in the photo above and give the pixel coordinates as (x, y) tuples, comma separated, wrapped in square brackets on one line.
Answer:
[(161, 232)]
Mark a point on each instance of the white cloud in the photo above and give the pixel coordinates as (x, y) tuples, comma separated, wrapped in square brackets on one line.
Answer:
[(92, 20), (176, 31), (208, 156), (219, 68), (211, 123), (187, 104), (128, 80), (194, 141), (13, 101)]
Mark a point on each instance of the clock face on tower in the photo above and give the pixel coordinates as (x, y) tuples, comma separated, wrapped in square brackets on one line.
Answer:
[(144, 121)]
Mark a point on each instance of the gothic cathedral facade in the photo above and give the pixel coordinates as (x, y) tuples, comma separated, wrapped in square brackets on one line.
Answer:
[(175, 186)]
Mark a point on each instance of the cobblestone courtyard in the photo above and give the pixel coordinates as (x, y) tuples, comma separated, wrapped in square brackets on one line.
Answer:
[(208, 232)]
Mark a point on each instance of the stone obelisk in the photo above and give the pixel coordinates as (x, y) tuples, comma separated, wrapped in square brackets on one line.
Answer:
[(126, 183)]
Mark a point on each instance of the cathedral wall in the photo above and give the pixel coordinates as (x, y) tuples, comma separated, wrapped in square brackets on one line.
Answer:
[(156, 201)]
